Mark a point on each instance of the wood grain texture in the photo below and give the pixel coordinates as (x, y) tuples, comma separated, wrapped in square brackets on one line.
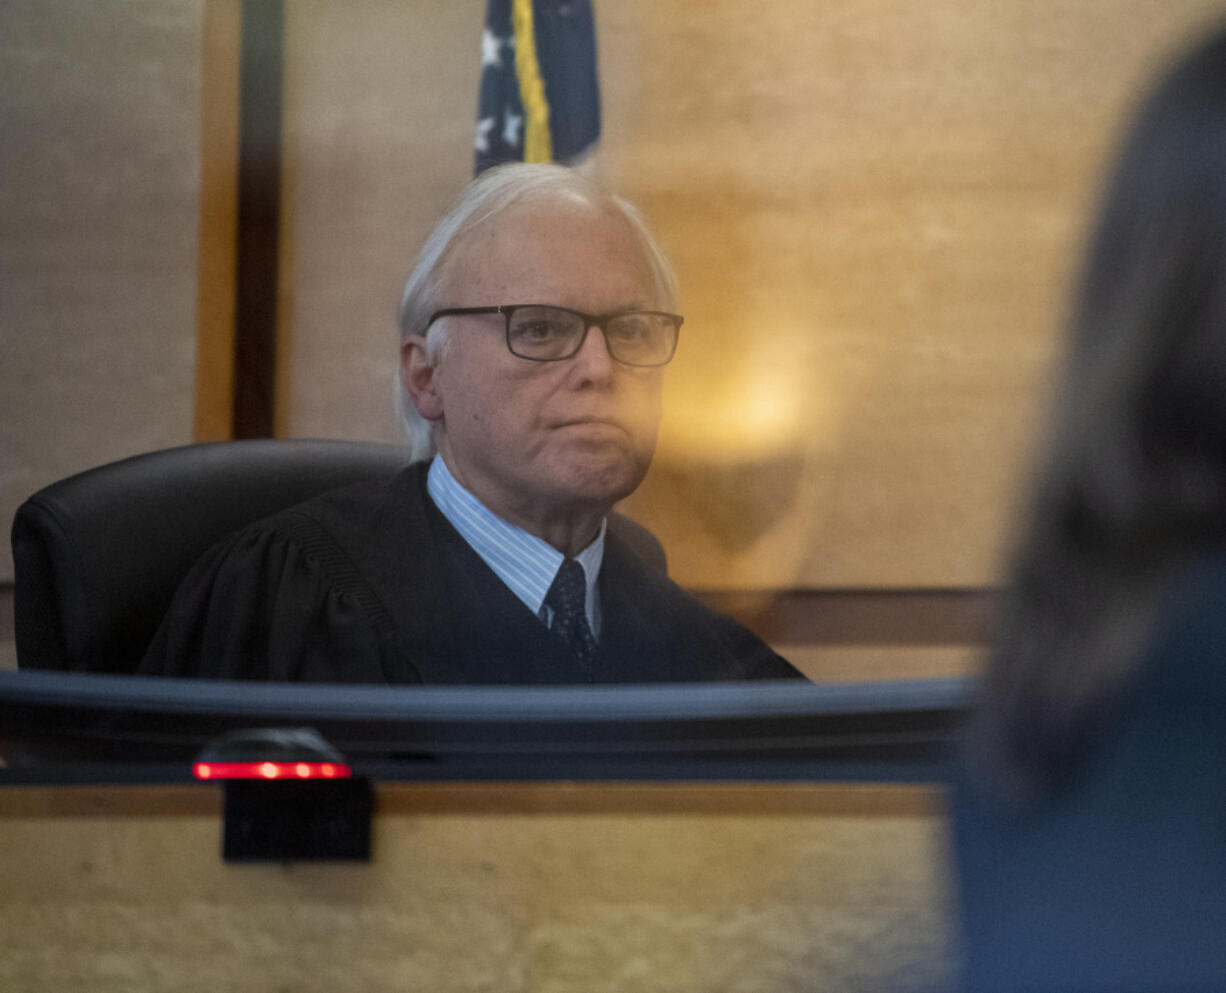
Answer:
[(219, 112)]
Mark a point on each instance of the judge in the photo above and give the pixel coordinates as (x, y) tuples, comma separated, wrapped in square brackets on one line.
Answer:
[(535, 329)]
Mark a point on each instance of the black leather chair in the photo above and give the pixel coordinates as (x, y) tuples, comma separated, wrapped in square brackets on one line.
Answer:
[(99, 555)]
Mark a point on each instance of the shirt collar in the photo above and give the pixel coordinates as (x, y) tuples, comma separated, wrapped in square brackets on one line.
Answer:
[(526, 563)]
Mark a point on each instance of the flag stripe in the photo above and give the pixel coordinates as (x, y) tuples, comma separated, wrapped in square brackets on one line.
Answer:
[(539, 97), (537, 144)]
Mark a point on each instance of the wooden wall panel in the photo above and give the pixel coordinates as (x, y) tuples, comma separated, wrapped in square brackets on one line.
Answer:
[(221, 34), (874, 206)]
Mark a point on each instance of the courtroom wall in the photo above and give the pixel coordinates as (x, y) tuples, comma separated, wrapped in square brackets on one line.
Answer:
[(99, 196), (874, 206)]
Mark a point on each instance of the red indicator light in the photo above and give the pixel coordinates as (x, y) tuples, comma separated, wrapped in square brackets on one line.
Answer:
[(271, 770)]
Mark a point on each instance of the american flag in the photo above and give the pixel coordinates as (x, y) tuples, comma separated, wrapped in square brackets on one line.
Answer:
[(540, 98)]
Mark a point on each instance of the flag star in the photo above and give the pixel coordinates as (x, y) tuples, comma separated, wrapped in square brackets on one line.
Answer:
[(482, 141), (510, 131), (491, 45)]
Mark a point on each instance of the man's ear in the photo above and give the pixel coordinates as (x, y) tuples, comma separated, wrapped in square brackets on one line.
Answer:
[(418, 375)]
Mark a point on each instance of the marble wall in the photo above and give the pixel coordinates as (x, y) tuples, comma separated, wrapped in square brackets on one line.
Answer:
[(874, 207), (99, 198)]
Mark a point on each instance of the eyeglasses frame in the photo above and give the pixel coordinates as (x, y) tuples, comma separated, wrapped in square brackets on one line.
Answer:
[(589, 321)]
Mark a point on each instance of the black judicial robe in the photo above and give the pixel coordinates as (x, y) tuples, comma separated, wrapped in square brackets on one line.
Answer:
[(372, 584)]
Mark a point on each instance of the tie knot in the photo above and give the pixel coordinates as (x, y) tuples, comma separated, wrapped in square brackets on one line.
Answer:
[(568, 594)]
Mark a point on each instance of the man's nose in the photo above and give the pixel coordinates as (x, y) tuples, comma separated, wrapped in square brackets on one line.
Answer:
[(593, 354)]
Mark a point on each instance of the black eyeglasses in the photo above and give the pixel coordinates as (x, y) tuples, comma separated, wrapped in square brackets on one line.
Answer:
[(542, 333)]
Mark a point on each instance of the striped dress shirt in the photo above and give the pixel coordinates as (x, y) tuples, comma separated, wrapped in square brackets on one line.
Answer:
[(526, 563)]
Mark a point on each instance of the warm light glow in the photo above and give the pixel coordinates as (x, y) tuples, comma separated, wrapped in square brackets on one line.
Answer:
[(777, 400), (268, 770)]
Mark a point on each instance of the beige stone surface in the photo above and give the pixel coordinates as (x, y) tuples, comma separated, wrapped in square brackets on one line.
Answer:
[(380, 107), (874, 206), (594, 888), (99, 194)]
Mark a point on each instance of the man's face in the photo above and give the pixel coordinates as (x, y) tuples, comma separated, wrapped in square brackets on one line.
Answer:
[(542, 441)]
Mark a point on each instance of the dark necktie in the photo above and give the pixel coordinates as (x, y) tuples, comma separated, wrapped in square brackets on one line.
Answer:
[(567, 598)]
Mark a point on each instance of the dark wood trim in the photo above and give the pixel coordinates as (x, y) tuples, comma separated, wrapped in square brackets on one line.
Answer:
[(110, 801), (213, 415), (861, 617), (506, 799), (6, 612), (665, 798), (820, 617), (259, 218)]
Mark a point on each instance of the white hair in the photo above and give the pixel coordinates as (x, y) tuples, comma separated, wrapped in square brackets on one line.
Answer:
[(485, 198)]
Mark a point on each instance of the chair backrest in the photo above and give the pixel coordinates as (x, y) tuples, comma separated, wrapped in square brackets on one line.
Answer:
[(98, 556)]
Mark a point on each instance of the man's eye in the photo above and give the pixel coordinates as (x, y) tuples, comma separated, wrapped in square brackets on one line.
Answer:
[(538, 330), (631, 329)]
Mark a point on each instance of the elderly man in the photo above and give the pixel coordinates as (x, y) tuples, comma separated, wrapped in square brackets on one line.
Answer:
[(534, 331)]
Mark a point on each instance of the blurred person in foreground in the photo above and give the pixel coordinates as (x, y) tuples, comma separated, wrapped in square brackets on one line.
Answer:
[(1090, 827), (535, 328)]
